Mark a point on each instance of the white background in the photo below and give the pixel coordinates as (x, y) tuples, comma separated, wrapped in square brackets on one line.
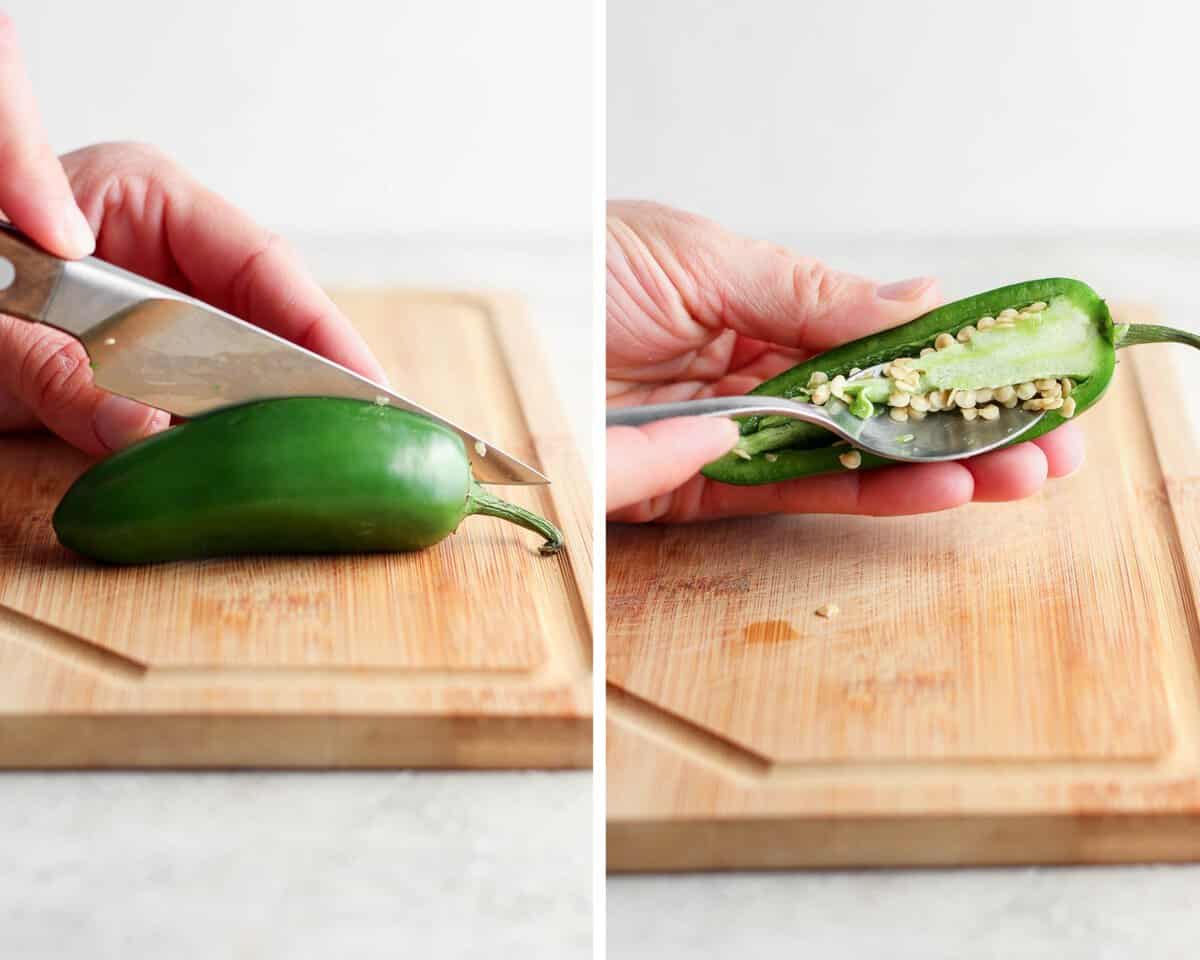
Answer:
[(982, 142), (332, 118), (428, 143), (912, 117)]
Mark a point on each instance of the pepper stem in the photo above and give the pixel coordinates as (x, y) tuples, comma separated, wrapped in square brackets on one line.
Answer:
[(1129, 334), (488, 504)]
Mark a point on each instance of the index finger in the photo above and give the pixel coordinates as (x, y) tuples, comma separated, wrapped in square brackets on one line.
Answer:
[(34, 192)]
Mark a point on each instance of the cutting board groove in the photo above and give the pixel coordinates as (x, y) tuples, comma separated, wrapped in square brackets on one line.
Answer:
[(474, 653), (1007, 683)]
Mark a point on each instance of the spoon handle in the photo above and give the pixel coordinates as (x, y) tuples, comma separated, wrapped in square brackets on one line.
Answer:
[(715, 407)]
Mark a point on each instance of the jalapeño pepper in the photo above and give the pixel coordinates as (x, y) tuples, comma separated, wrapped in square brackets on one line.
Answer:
[(1052, 336), (299, 475)]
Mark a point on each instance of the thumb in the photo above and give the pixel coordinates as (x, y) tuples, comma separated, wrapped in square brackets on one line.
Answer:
[(49, 374), (654, 459)]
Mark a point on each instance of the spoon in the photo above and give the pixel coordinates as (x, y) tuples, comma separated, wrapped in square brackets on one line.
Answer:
[(940, 436)]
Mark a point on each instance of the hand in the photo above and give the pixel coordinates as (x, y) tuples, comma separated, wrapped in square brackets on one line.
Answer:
[(140, 211), (694, 311)]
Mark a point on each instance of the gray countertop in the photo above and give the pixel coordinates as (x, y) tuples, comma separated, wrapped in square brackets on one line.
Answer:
[(1077, 913), (194, 866)]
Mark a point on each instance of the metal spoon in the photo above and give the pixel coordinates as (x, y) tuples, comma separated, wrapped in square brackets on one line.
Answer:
[(937, 437)]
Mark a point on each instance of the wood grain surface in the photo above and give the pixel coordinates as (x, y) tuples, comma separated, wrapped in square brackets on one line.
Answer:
[(1005, 683), (473, 653)]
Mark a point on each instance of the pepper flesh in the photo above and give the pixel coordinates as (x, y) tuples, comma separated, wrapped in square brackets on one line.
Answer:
[(1073, 337), (297, 475)]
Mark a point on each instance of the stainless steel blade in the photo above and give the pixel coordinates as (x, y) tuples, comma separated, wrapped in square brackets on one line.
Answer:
[(181, 355)]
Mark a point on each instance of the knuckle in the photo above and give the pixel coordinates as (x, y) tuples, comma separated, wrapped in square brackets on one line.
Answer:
[(55, 370), (814, 285)]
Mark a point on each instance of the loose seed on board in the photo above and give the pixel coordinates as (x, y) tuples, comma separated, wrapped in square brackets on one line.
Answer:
[(989, 412), (851, 460), (943, 341), (969, 413), (1068, 408), (828, 610), (986, 323), (1026, 390), (898, 398), (899, 414), (965, 334), (820, 395)]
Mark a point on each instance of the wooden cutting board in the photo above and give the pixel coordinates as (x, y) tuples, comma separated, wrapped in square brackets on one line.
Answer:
[(1006, 683), (474, 653)]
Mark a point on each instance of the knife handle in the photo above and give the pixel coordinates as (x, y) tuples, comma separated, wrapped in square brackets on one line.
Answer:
[(28, 276)]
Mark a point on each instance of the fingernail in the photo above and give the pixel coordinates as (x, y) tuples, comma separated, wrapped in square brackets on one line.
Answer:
[(118, 422), (77, 233), (904, 289)]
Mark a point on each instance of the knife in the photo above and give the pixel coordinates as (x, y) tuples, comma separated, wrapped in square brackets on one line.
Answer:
[(155, 345)]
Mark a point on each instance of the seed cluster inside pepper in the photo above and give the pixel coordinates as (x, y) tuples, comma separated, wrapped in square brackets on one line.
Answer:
[(909, 398)]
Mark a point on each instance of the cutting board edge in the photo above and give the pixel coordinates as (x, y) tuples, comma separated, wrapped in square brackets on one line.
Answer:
[(829, 842), (284, 741)]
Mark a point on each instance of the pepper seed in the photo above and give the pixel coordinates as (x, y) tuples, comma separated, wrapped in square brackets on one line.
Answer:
[(989, 412), (969, 413), (898, 398), (943, 341), (851, 460), (1068, 408), (986, 323), (820, 395), (965, 399), (965, 334), (899, 414), (1026, 390)]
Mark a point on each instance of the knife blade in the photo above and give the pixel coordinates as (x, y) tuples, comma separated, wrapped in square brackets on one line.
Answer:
[(160, 347)]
